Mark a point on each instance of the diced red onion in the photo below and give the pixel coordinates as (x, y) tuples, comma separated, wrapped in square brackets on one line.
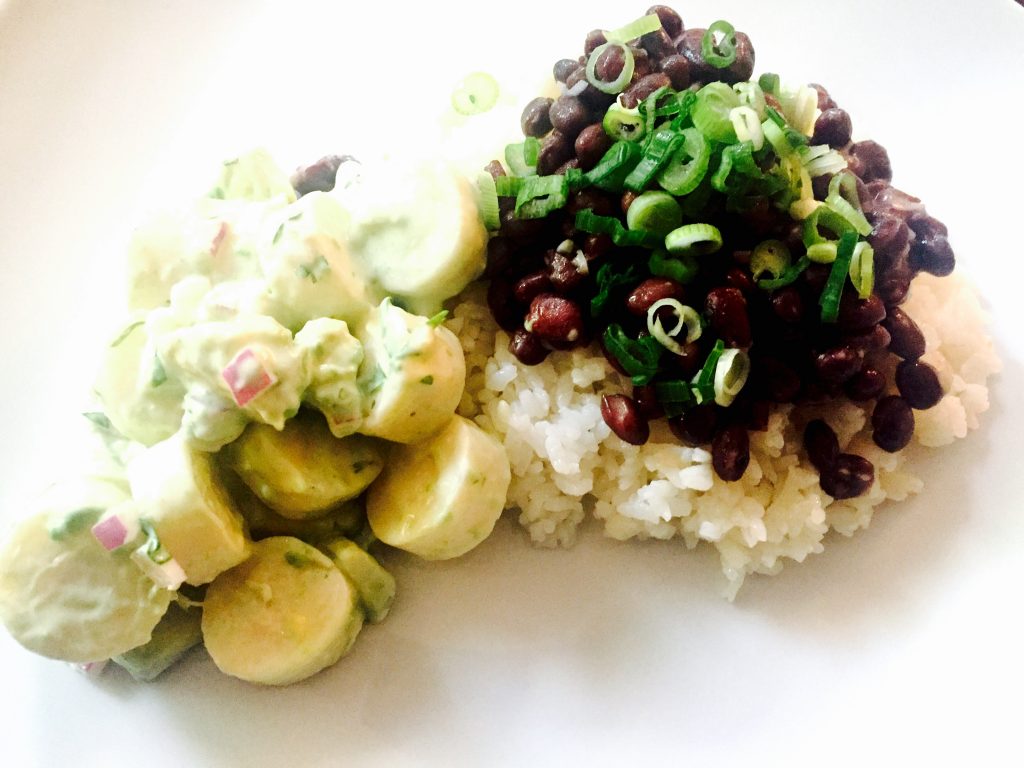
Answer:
[(111, 532), (247, 377)]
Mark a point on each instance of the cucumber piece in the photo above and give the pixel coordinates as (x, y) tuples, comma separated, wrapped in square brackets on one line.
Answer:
[(304, 471), (440, 498), (176, 634), (281, 616), (175, 489), (376, 587)]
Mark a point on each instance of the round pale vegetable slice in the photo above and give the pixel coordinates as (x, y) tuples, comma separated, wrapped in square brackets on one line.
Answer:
[(303, 470), (376, 587), (63, 595), (413, 374), (440, 498), (176, 492), (284, 614)]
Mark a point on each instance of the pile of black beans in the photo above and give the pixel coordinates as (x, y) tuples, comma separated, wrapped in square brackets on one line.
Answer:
[(540, 289)]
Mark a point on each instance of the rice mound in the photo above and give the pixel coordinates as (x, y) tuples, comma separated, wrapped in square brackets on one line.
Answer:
[(567, 463)]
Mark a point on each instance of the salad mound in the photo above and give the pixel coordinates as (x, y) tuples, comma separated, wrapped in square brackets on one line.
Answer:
[(282, 394)]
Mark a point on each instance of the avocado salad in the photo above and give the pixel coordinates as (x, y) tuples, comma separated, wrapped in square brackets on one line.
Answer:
[(281, 396)]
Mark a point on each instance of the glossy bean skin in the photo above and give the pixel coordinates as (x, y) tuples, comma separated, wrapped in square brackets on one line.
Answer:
[(555, 149), (563, 68), (726, 310), (730, 452), (527, 347), (569, 116), (624, 418), (650, 291), (591, 144), (535, 120), (907, 340), (869, 160), (833, 127), (918, 383), (821, 444), (670, 20), (850, 476), (555, 319), (696, 426), (867, 384), (892, 423), (837, 365)]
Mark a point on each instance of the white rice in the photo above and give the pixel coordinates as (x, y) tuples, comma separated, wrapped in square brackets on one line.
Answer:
[(566, 463)]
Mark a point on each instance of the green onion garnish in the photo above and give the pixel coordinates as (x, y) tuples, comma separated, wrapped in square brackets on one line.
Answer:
[(521, 158), (751, 95), (654, 212), (477, 93), (688, 165), (693, 240), (624, 124), (711, 112), (682, 269), (747, 124), (862, 269), (613, 168), (833, 290), (619, 83), (487, 201), (704, 381), (788, 276), (731, 373), (638, 357), (674, 396), (721, 53), (856, 219), (633, 30), (769, 82), (824, 216), (657, 153), (823, 253), (770, 257), (608, 279), (508, 186), (540, 195), (588, 221), (686, 317)]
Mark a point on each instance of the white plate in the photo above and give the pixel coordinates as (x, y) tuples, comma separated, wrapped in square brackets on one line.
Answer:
[(902, 642)]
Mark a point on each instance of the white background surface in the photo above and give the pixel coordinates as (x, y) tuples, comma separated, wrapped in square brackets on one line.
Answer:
[(902, 644)]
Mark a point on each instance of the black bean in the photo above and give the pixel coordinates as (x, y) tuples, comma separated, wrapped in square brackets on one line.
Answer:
[(535, 120), (591, 144), (933, 254), (658, 44), (563, 272), (569, 116), (527, 347), (319, 176), (856, 314), (866, 385), (623, 417), (742, 66), (740, 279), (670, 20), (688, 361), (495, 169), (926, 226), (591, 198), (849, 477), (646, 399), (697, 425), (907, 339), (821, 444), (593, 98), (595, 39), (893, 285), (688, 44), (825, 101), (869, 160), (787, 304), (834, 366), (677, 67), (652, 290), (531, 286), (874, 339), (780, 381), (892, 423), (833, 127), (555, 319), (890, 238), (563, 68), (501, 253), (507, 313), (555, 149), (523, 230), (572, 162), (597, 246), (727, 313), (730, 452), (918, 383), (609, 64), (643, 65), (644, 87)]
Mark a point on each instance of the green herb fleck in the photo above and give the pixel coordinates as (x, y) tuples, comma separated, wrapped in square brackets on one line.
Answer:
[(155, 550), (229, 163), (100, 420), (437, 319), (359, 466), (427, 380), (315, 270), (297, 560), (217, 193), (159, 374), (277, 235), (74, 522), (295, 217), (126, 333)]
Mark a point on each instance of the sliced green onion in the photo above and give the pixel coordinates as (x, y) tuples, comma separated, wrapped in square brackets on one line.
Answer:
[(704, 380), (521, 158), (686, 317), (508, 186), (659, 150), (862, 269), (620, 82), (751, 95), (747, 125), (682, 269), (833, 290), (693, 240), (771, 257), (688, 165), (655, 212), (674, 396), (788, 276), (711, 112), (731, 374), (540, 195), (477, 93), (588, 221), (821, 159), (686, 100), (776, 136), (638, 357), (649, 107), (608, 279), (614, 166), (722, 53), (824, 216), (769, 82), (856, 219), (633, 30), (823, 253), (487, 201), (844, 185), (736, 169), (624, 124), (800, 106)]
